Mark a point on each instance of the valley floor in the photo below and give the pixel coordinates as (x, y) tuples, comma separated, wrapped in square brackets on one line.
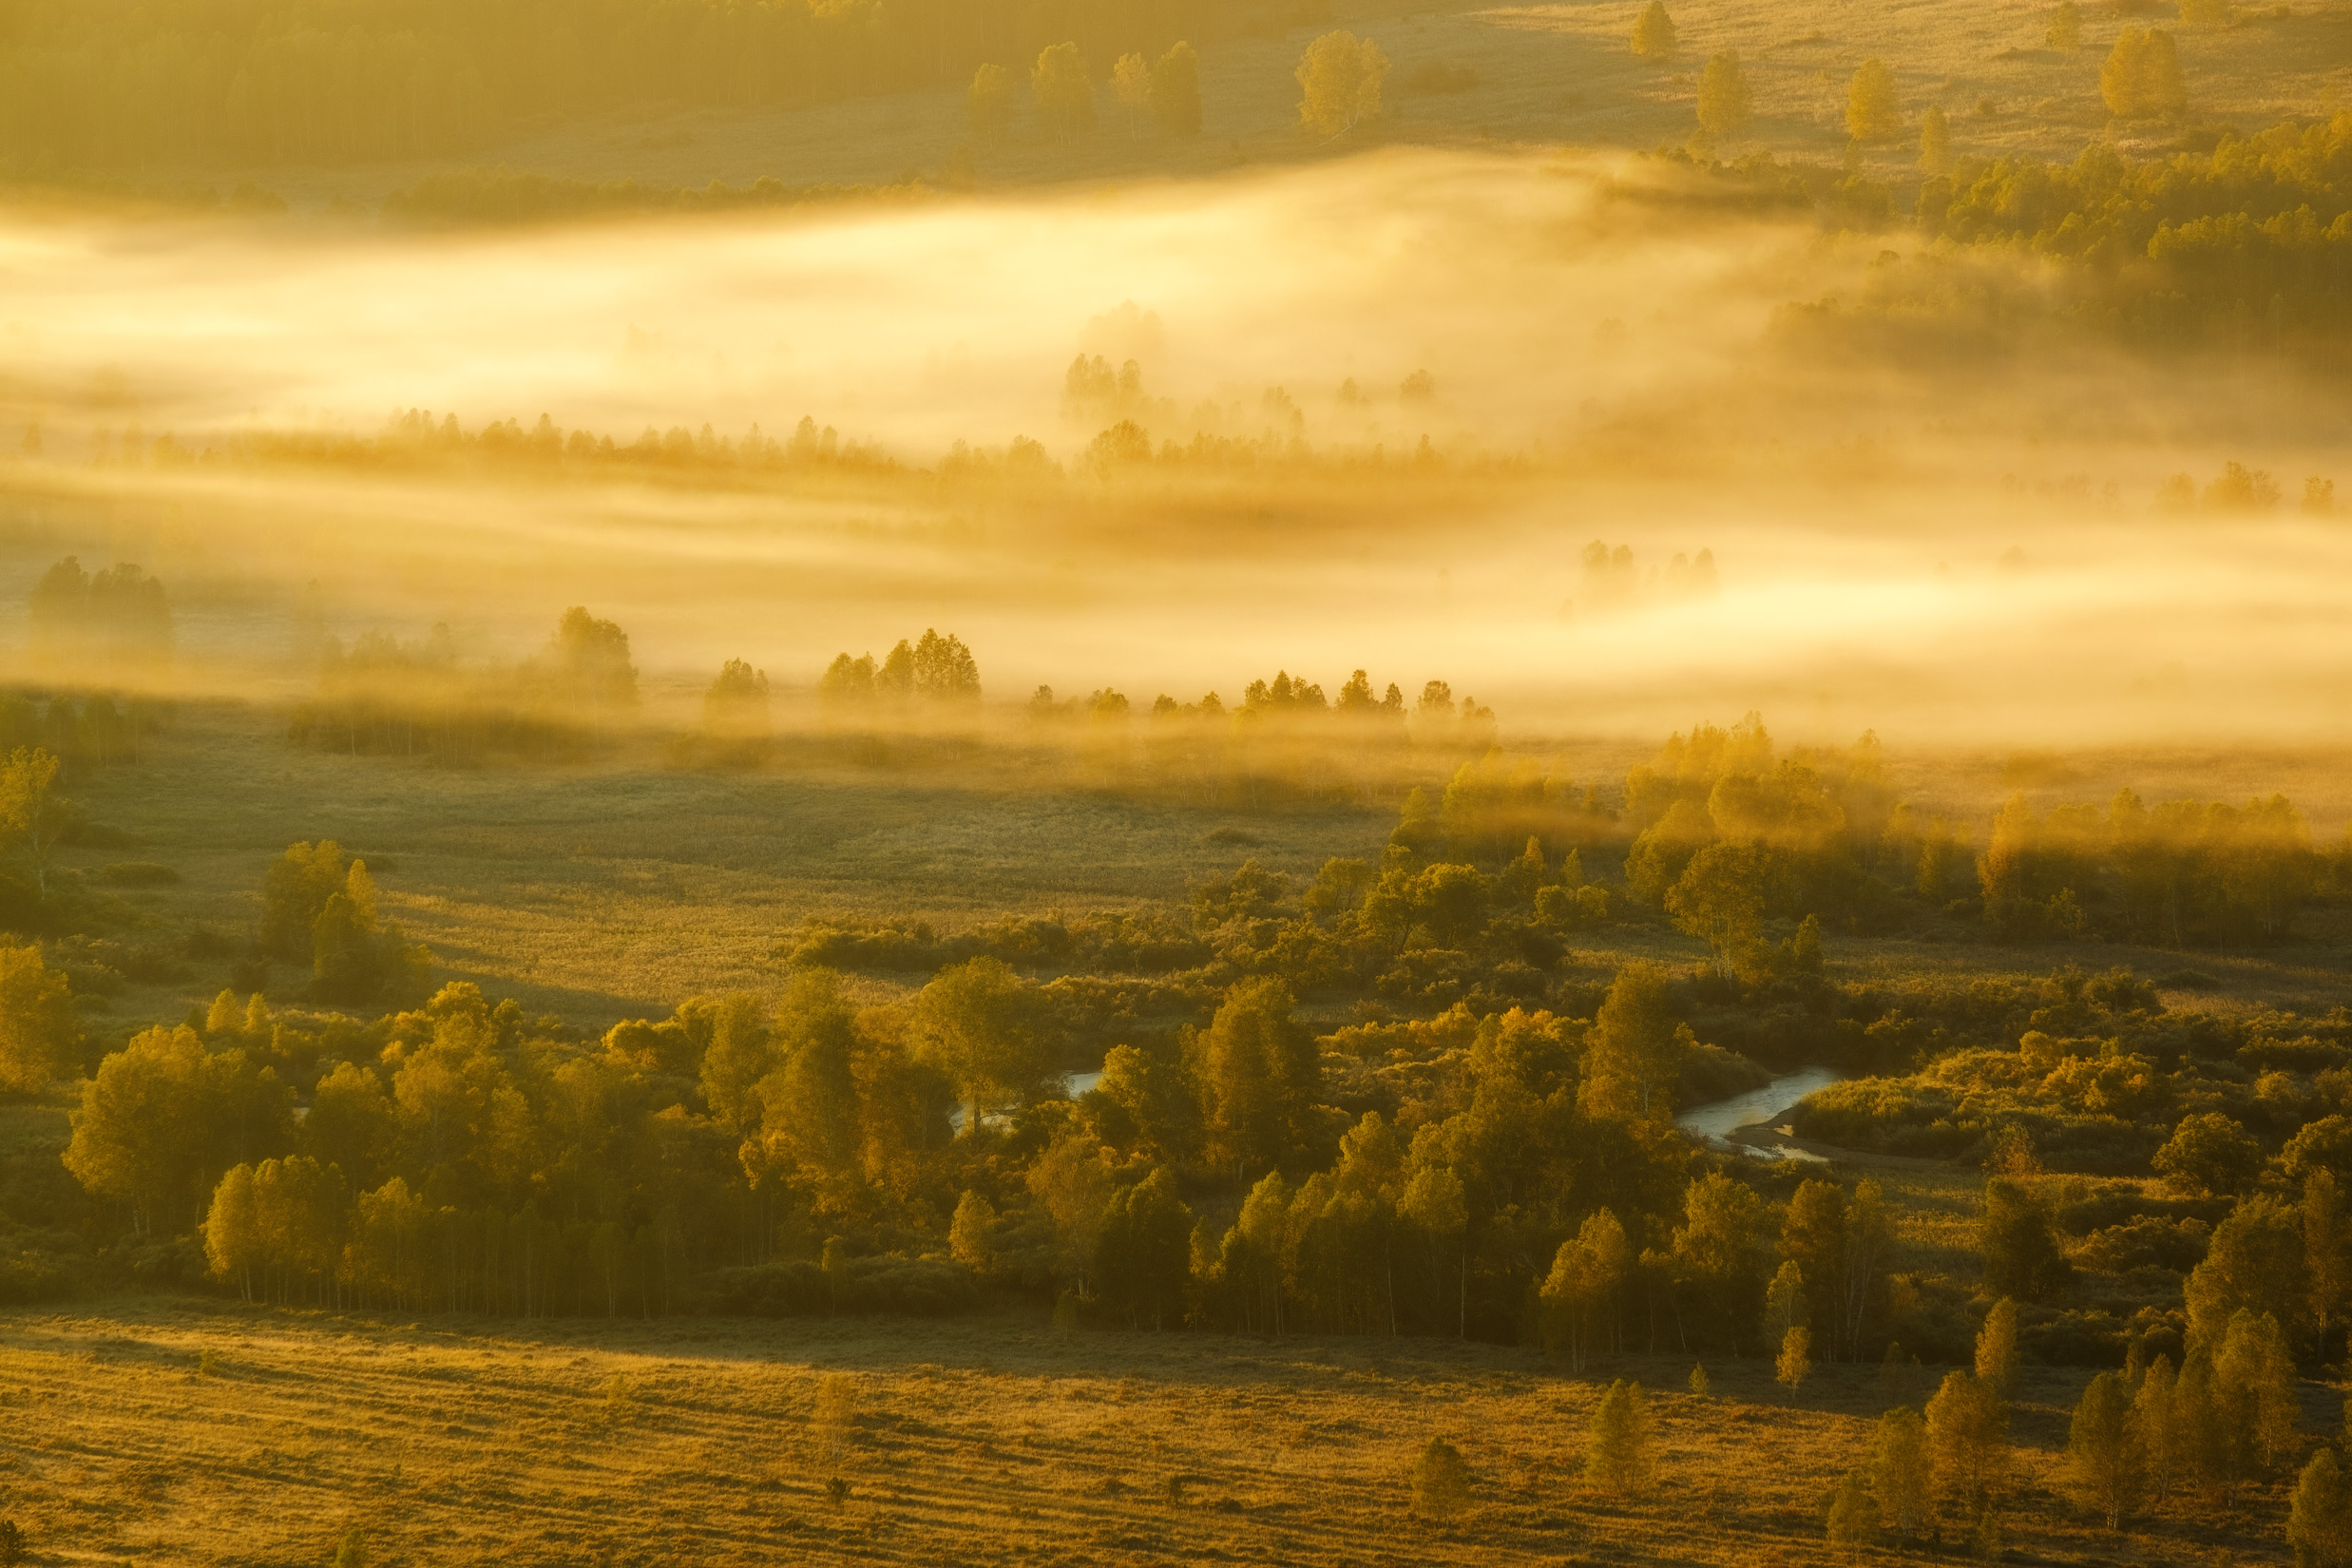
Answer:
[(202, 1432)]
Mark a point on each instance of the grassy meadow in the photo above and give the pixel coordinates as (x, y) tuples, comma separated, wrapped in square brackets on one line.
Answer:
[(1469, 74), (187, 1431)]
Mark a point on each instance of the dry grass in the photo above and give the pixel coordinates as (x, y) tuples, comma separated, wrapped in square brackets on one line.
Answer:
[(1542, 73), (996, 1443)]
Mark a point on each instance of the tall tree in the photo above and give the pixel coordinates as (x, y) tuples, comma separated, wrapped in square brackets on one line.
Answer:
[(1873, 113), (40, 1033), (1654, 32), (1065, 99), (1339, 80), (1260, 1076), (1724, 106), (1968, 1435), (989, 1031), (1617, 1456), (1176, 90), (989, 111), (1997, 1348), (1633, 1057), (2104, 1452), (1901, 1474)]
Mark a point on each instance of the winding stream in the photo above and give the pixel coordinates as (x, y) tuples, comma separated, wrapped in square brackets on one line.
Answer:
[(1713, 1122)]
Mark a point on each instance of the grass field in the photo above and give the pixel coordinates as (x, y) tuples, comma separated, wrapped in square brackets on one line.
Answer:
[(1543, 74), (202, 1432)]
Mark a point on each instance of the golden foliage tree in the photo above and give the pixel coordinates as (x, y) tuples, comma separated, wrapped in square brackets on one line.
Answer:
[(1654, 32), (2142, 77), (1441, 1481), (1724, 105), (1176, 90), (1131, 84), (1873, 113), (1901, 1475), (989, 111), (1968, 1437), (1997, 1348), (1066, 98), (2104, 1455), (1339, 81), (1796, 1359), (1617, 1448), (38, 1027), (2065, 31)]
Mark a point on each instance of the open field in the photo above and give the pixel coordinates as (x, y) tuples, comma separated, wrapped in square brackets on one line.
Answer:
[(1536, 74), (198, 1432)]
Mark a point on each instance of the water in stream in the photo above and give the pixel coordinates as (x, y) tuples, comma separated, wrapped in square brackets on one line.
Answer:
[(1714, 1121)]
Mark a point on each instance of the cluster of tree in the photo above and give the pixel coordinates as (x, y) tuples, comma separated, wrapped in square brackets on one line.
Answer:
[(1611, 582), (382, 696), (1166, 92), (82, 621), (319, 913), (80, 729), (472, 198), (114, 85), (937, 671)]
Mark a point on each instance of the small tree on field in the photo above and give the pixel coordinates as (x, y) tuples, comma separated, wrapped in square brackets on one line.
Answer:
[(1784, 1304), (2155, 1421), (2319, 1525), (1065, 99), (2065, 32), (1997, 1348), (1654, 32), (1934, 142), (1441, 1481), (1176, 91), (1968, 1437), (352, 1551), (1901, 1475), (2104, 1451), (2142, 78), (1853, 1514), (971, 1236), (988, 107), (1131, 83), (1872, 111), (1796, 1359), (1617, 1451), (1339, 80), (1724, 106), (1700, 1383)]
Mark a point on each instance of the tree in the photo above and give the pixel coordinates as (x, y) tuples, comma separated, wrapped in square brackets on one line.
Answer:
[(1260, 1078), (1720, 899), (1581, 1297), (1065, 101), (988, 1031), (1795, 1362), (163, 1117), (2142, 77), (1654, 32), (2319, 1524), (2328, 1252), (1873, 113), (735, 707), (2205, 15), (1339, 80), (2021, 1256), (2208, 1153), (989, 111), (971, 1236), (2065, 31), (1853, 1516), (1441, 1481), (1433, 1204), (2254, 1262), (294, 892), (1176, 90), (1784, 1304), (1724, 106), (1715, 1248), (1934, 142), (1143, 1253), (2155, 1421), (1997, 1348), (1901, 1475), (31, 817), (1073, 1181), (1633, 1055), (39, 1032), (1131, 84), (1617, 1447), (2260, 1379), (233, 1242), (2104, 1450), (1968, 1437)]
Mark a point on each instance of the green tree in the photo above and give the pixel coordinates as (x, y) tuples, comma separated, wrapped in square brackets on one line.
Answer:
[(1339, 80), (2104, 1451), (1633, 1057), (33, 818), (2208, 1153), (295, 893), (1724, 105), (2318, 1522), (1997, 1348), (1654, 32), (1853, 1515), (1785, 1306), (1873, 112), (1143, 1252), (971, 1236), (2328, 1252), (2142, 77), (2254, 1262), (1433, 1204), (1720, 898), (1715, 1250), (2258, 1372), (1260, 1079), (1176, 90), (1131, 84), (1901, 1475), (1073, 1182), (163, 1118), (1441, 1481), (351, 1125), (2021, 1256), (234, 1247), (39, 1034), (1618, 1446), (2155, 1420), (1157, 1098), (809, 1111), (989, 1031), (989, 111), (1065, 99), (1934, 142), (2065, 31), (1968, 1437), (1795, 1362)]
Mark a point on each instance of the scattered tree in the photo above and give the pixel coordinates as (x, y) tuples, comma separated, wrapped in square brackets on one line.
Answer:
[(1065, 99), (1616, 1449), (1176, 90), (2105, 1450), (1339, 79), (1440, 1482), (1654, 32), (1724, 106), (1873, 112)]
